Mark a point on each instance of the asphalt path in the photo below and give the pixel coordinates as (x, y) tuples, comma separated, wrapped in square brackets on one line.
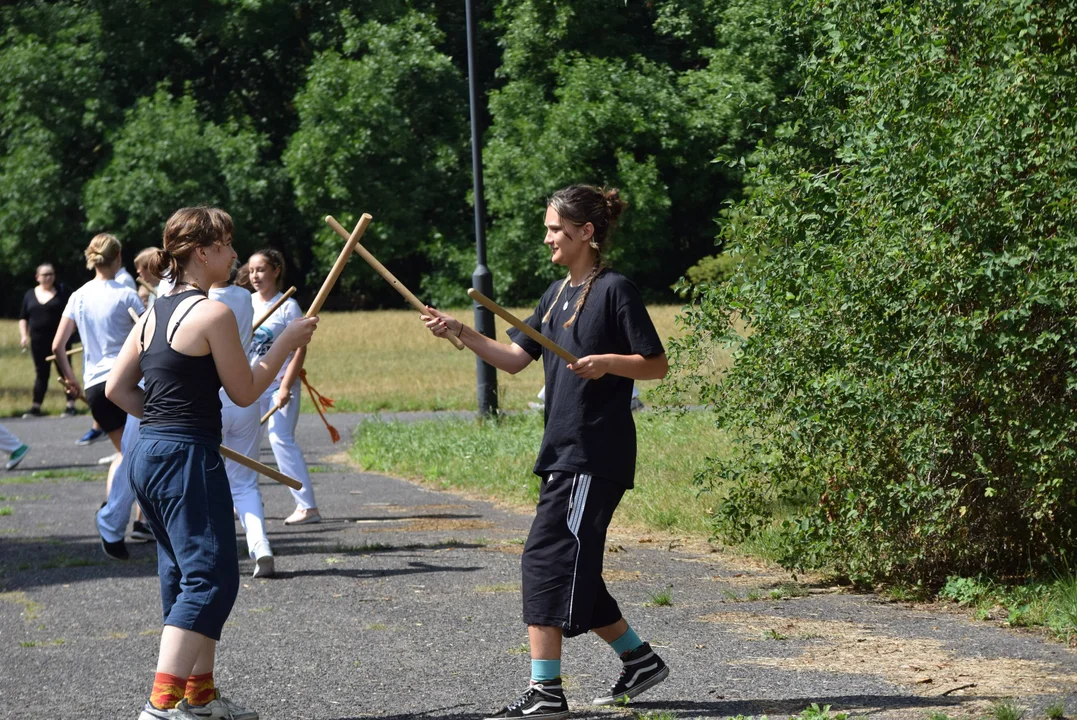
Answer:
[(405, 603)]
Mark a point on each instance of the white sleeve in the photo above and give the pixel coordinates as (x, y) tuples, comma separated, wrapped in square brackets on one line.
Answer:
[(69, 309)]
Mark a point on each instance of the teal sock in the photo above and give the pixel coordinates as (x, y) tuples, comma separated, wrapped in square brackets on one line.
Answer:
[(543, 670), (627, 642)]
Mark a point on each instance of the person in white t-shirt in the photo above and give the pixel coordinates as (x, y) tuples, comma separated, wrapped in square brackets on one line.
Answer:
[(124, 278), (266, 269), (100, 311), (242, 432)]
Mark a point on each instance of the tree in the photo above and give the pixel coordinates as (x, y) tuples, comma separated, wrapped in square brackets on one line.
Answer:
[(51, 114), (166, 156), (383, 130), (904, 399), (639, 97)]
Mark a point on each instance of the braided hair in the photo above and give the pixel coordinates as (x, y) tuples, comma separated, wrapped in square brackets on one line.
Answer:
[(579, 205)]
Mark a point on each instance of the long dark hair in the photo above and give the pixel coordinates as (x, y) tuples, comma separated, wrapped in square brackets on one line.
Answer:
[(579, 205)]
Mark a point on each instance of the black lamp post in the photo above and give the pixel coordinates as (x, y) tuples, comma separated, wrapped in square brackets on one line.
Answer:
[(481, 279)]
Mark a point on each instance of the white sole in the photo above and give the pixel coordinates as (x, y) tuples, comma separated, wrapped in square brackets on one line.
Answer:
[(263, 567), (633, 692)]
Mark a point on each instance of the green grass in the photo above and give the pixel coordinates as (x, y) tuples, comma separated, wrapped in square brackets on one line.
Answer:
[(53, 475), (1051, 604), (496, 458), (6, 510), (773, 634), (382, 360), (660, 598), (1055, 711), (1007, 710)]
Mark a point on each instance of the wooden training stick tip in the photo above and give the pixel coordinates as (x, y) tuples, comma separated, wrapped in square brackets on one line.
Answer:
[(521, 326), (388, 276), (260, 468), (133, 314)]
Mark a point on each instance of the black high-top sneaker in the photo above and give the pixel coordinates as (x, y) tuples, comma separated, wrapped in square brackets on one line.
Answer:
[(545, 700), (642, 670)]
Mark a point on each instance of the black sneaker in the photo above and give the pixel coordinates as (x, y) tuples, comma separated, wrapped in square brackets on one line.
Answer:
[(141, 531), (115, 550), (642, 670), (544, 700)]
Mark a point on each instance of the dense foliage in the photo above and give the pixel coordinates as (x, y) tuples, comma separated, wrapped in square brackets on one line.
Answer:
[(904, 394), (113, 113)]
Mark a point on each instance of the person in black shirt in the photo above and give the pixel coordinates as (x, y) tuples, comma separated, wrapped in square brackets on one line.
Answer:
[(587, 459), (39, 317)]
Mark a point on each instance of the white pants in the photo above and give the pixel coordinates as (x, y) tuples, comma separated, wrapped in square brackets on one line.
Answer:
[(8, 442), (282, 439), (241, 432), (112, 519)]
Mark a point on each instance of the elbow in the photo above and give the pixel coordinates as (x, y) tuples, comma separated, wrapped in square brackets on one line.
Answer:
[(660, 369), (110, 391)]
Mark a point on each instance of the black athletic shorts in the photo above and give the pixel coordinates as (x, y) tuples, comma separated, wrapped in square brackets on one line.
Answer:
[(562, 560), (107, 413)]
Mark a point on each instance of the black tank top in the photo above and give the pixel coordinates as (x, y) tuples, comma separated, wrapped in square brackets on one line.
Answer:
[(181, 390)]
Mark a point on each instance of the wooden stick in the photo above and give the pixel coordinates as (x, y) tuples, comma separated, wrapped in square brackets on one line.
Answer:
[(521, 325), (389, 277), (80, 396), (273, 308), (151, 288), (133, 314), (260, 468), (331, 278), (73, 351)]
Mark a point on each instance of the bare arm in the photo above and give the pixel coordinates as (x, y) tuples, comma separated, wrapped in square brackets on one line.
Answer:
[(635, 367), (59, 343), (122, 384), (290, 376), (511, 358), (243, 383)]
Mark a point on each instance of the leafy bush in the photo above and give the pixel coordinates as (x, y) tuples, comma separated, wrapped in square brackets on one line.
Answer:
[(905, 403)]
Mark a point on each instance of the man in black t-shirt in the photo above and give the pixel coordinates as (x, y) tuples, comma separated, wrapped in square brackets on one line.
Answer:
[(587, 459)]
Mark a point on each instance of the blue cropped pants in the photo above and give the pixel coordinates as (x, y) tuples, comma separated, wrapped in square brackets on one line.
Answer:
[(179, 480)]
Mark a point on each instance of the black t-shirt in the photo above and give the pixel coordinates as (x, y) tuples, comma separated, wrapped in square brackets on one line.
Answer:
[(43, 319), (589, 425)]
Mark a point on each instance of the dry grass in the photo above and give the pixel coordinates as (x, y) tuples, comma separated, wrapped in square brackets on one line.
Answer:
[(921, 664), (366, 361)]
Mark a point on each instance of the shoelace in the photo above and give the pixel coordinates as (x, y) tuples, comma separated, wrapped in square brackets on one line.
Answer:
[(523, 699)]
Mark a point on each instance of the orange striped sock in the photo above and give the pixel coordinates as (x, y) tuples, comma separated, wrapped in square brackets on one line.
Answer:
[(200, 689), (167, 691)]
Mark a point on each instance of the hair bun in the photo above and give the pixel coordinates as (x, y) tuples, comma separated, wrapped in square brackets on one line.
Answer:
[(614, 203)]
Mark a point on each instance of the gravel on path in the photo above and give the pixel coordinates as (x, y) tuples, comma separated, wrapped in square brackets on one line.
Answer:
[(405, 603)]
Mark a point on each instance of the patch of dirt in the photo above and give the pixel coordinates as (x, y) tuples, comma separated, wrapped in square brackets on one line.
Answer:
[(434, 524), (614, 575), (922, 664), (507, 548)]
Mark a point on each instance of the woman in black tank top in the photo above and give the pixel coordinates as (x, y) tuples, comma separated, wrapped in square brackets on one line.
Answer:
[(186, 347)]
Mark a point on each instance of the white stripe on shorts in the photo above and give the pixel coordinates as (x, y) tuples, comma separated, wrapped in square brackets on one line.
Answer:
[(577, 501)]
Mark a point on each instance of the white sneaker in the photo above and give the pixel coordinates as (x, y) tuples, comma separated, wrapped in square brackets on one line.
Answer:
[(301, 516), (180, 712), (222, 709), (263, 560)]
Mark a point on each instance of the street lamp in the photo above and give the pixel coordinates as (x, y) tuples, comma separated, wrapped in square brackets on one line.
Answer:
[(482, 280)]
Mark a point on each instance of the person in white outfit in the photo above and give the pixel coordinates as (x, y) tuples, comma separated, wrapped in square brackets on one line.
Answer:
[(100, 311), (242, 432), (266, 275)]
